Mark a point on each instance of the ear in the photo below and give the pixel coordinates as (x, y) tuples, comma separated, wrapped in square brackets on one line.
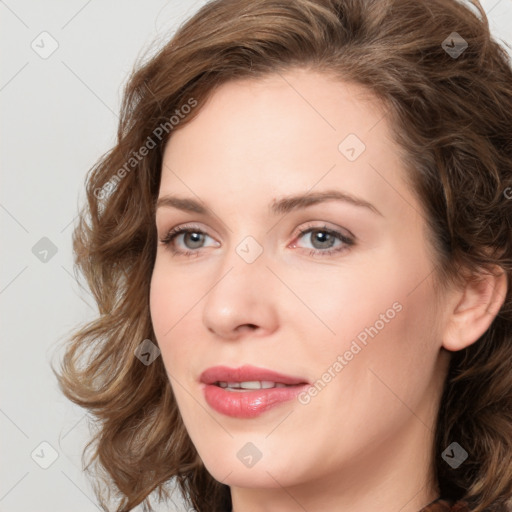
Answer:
[(474, 308)]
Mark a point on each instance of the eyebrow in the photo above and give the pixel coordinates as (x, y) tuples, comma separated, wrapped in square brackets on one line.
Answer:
[(279, 206)]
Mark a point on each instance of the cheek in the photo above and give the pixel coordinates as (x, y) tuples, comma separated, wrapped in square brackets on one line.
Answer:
[(170, 311), (348, 299), (169, 307), (395, 328), (160, 302), (381, 314)]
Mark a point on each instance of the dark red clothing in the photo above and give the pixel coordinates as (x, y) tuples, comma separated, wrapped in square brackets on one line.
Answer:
[(441, 505)]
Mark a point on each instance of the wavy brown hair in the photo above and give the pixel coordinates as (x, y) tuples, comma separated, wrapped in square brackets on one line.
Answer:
[(451, 117)]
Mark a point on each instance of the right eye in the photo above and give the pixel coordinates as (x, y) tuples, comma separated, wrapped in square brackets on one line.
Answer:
[(192, 235)]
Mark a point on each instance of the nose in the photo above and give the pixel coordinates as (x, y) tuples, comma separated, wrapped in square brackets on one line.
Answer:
[(241, 299)]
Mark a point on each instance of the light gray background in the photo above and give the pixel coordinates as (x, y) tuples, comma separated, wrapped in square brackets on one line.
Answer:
[(59, 115)]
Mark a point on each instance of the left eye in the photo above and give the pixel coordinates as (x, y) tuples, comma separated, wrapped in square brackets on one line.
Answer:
[(323, 239)]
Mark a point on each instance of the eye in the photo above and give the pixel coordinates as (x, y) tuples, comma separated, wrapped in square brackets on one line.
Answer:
[(192, 236), (323, 240)]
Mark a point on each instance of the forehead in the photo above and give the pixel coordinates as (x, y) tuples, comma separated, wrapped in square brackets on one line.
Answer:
[(285, 133), (281, 107)]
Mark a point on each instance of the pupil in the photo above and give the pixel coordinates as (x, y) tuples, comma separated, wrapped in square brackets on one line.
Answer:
[(322, 235), (197, 240)]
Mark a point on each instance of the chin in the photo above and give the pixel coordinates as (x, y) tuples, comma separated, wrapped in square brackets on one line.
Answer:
[(255, 477), (272, 470)]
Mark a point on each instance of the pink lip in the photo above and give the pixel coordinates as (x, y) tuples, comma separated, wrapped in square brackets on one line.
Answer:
[(247, 404)]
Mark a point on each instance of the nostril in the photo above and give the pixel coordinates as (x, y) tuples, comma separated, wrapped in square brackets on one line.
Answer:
[(248, 327)]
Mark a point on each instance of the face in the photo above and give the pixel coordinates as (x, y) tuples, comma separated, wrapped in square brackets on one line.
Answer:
[(335, 291)]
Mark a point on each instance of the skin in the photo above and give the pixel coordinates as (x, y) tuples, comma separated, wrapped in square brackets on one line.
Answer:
[(364, 442)]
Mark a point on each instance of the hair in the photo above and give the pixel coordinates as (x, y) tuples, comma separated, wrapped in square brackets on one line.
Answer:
[(451, 120)]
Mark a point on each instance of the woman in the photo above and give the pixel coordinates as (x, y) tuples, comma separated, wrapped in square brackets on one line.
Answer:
[(301, 251)]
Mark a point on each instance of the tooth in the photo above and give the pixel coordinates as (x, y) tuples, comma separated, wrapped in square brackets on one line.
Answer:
[(250, 384)]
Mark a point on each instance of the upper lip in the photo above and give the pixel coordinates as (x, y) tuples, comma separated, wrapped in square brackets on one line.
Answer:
[(246, 373)]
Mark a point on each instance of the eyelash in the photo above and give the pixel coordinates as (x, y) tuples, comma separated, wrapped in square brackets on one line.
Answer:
[(173, 233)]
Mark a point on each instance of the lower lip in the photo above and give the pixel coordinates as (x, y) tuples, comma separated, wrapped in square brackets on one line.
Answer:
[(248, 404)]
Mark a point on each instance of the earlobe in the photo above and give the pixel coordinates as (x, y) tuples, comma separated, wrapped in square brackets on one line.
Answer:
[(476, 306)]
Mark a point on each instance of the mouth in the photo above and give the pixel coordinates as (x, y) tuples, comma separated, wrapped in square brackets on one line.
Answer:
[(248, 391), (250, 385)]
